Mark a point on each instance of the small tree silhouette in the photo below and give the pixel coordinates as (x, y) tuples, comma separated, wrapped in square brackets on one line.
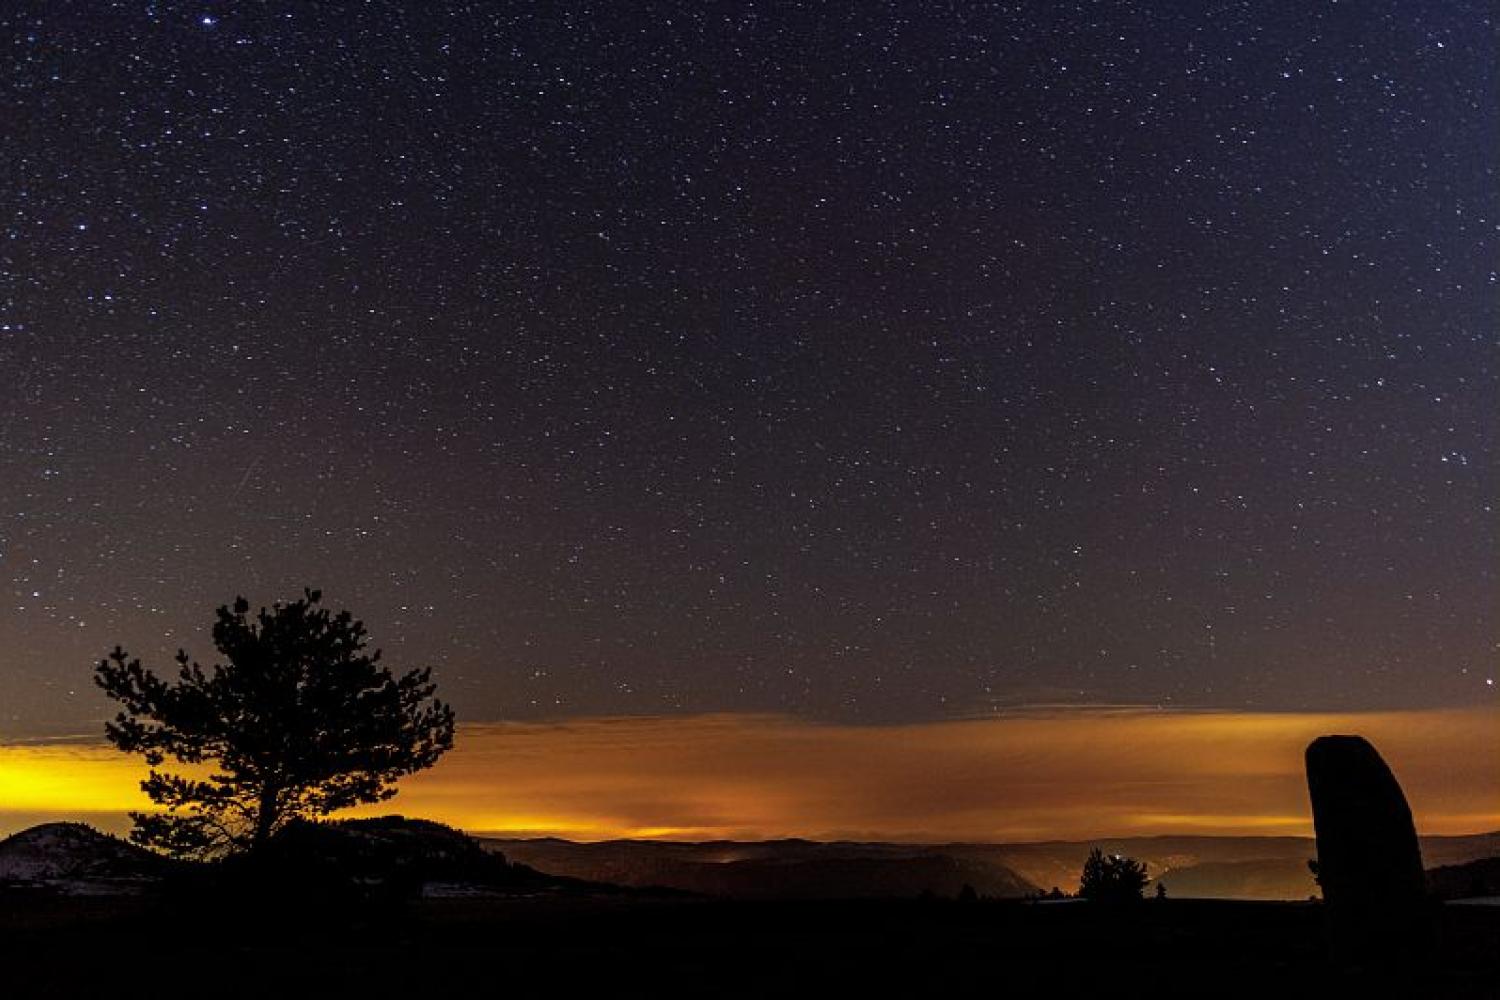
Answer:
[(300, 721), (1112, 878)]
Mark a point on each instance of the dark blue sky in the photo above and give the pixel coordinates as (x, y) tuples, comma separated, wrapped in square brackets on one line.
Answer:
[(892, 363)]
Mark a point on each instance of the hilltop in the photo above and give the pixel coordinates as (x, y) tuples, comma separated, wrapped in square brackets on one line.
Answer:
[(76, 859)]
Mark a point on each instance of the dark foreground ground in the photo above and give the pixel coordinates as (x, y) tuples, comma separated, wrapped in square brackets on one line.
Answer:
[(634, 947)]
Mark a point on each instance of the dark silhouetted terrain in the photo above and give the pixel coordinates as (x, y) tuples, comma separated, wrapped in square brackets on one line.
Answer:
[(783, 869), (390, 856), (436, 915), (1472, 880), (1206, 867), (70, 858), (619, 946), (76, 859)]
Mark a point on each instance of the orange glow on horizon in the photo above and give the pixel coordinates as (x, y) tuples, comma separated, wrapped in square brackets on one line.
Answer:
[(68, 777), (1067, 774)]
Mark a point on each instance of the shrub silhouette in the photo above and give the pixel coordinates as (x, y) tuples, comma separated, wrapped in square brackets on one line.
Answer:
[(299, 721), (1112, 878)]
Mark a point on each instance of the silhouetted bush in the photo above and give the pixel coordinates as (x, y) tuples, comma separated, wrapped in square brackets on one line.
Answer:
[(1112, 878)]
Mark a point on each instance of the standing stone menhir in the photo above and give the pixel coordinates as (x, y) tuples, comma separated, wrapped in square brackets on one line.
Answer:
[(1369, 864)]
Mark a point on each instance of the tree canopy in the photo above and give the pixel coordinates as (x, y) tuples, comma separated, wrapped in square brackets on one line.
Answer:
[(300, 720), (1112, 877)]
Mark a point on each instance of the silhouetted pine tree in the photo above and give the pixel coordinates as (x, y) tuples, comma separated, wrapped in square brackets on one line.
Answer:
[(299, 721)]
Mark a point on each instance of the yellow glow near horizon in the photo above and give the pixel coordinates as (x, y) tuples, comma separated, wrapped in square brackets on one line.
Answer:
[(1064, 774), (69, 778)]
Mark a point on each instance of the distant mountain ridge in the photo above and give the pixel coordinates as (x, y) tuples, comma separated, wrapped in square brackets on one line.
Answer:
[(1190, 866), (781, 869)]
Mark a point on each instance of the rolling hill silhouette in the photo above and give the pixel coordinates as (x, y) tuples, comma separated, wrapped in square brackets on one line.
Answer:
[(76, 859), (1210, 867)]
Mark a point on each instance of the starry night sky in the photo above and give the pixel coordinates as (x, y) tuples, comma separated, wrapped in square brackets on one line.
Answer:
[(897, 363)]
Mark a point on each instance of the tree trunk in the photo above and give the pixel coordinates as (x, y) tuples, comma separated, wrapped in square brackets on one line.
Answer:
[(265, 819)]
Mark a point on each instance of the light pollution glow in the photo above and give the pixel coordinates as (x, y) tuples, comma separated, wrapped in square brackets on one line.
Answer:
[(1063, 774)]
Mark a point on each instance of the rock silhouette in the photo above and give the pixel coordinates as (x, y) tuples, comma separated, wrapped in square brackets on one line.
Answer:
[(1369, 863)]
